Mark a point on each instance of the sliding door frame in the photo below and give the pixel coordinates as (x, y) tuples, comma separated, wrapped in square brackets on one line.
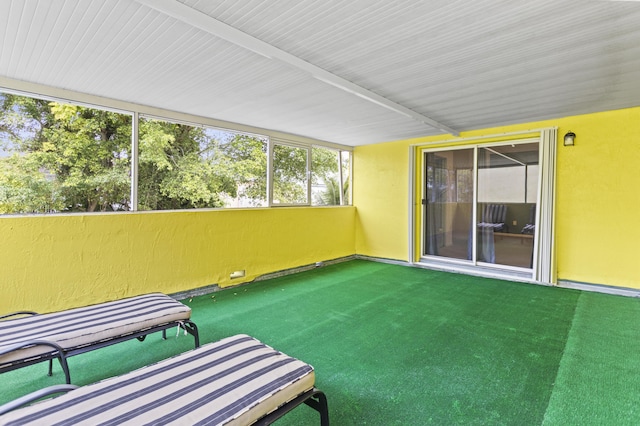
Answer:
[(543, 267)]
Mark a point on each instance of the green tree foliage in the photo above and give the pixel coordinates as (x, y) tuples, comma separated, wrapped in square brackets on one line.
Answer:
[(180, 166), (331, 195), (62, 157), (65, 158), (289, 174), (325, 172), (246, 161)]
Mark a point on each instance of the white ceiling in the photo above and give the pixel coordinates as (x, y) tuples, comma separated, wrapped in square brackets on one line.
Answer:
[(351, 72)]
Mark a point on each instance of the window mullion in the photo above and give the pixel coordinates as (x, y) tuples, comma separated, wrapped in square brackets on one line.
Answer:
[(135, 155), (308, 176), (341, 178), (270, 173)]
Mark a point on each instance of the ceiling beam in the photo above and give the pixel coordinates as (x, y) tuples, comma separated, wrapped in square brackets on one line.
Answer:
[(204, 22)]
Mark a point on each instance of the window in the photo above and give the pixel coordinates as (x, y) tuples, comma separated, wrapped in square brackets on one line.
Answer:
[(329, 177), (318, 176), (59, 157), (184, 166)]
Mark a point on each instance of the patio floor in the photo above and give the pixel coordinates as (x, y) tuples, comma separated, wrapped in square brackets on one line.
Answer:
[(408, 346)]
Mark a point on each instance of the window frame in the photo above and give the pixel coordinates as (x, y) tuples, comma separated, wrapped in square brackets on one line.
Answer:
[(136, 112), (262, 137), (88, 105), (340, 174)]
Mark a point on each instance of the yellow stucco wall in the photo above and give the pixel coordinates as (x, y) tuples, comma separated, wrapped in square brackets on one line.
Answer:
[(597, 201), (55, 262), (380, 192)]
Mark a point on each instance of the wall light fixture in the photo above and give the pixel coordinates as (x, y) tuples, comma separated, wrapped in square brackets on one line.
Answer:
[(569, 138)]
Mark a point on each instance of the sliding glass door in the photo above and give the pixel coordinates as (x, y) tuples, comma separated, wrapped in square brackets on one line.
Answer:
[(480, 204), (507, 192), (448, 203)]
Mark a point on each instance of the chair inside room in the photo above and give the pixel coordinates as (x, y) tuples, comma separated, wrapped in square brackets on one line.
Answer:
[(530, 227), (494, 217)]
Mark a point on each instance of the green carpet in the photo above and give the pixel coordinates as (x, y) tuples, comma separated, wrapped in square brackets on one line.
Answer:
[(599, 377), (407, 346)]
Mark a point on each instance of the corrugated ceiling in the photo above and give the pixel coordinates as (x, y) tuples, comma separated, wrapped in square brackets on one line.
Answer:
[(464, 64)]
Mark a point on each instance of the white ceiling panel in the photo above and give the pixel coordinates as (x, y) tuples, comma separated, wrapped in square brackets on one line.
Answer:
[(394, 68)]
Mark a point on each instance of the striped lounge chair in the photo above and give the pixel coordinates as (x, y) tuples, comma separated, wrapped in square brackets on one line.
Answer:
[(494, 217), (27, 338), (235, 381)]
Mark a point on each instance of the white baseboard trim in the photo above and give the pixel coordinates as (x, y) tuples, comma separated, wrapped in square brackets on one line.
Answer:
[(382, 260), (599, 288), (201, 291), (302, 268), (596, 288)]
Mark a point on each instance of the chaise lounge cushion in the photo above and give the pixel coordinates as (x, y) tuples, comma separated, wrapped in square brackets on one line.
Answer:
[(234, 381), (90, 324)]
